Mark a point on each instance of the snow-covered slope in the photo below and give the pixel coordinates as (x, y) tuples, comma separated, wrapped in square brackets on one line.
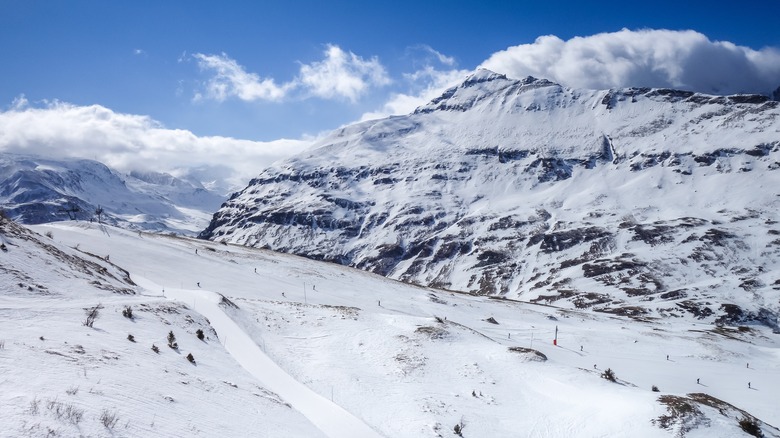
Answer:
[(291, 334), (635, 201), (35, 190)]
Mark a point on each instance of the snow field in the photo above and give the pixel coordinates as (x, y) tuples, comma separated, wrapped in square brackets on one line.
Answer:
[(373, 347), (152, 394)]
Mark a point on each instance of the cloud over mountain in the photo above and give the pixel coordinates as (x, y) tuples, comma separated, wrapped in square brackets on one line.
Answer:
[(134, 142), (644, 58)]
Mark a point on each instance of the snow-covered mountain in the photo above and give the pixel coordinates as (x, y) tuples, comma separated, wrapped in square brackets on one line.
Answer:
[(300, 348), (36, 190), (643, 202)]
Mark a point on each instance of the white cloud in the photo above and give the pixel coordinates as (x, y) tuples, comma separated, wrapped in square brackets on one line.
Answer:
[(340, 74), (651, 58), (231, 80), (133, 142), (139, 52)]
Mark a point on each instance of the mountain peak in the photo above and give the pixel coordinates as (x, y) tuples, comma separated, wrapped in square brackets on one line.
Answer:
[(482, 75), (476, 87)]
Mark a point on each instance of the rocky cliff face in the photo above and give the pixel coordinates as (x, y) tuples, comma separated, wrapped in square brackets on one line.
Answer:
[(636, 201)]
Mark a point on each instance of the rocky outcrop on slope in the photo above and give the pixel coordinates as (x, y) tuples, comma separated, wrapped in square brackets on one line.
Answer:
[(638, 201)]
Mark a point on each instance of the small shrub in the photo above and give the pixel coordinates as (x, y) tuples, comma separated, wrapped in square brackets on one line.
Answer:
[(2, 344), (458, 429), (199, 334), (655, 389), (155, 349), (92, 313), (108, 419), (34, 406), (751, 427), (74, 414), (127, 312), (49, 235), (131, 338), (609, 375), (172, 340), (190, 358), (73, 390), (67, 412)]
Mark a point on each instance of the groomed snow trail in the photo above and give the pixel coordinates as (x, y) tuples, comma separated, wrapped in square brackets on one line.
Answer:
[(330, 418)]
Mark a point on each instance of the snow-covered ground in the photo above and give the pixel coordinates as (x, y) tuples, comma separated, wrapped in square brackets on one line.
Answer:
[(302, 348)]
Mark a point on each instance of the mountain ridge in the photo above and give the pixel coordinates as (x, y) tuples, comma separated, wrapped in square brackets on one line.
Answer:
[(35, 190), (637, 201)]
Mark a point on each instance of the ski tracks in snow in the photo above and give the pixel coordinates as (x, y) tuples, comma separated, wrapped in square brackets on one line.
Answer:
[(330, 418)]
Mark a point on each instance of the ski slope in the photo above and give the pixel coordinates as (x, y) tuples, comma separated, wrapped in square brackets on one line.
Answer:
[(323, 413), (316, 349)]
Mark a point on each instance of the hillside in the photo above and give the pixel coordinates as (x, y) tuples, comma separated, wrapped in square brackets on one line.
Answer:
[(642, 202), (289, 339)]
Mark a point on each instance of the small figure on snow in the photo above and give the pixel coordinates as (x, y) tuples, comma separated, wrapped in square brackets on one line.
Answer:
[(667, 357), (580, 347), (255, 270), (379, 303), (697, 381), (198, 284), (749, 385), (196, 251)]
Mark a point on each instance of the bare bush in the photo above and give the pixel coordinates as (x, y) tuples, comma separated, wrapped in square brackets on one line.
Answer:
[(65, 412), (73, 390), (609, 375), (49, 234), (131, 338), (191, 358), (108, 419), (74, 414), (155, 349), (199, 334), (34, 407), (127, 312), (93, 313), (655, 389)]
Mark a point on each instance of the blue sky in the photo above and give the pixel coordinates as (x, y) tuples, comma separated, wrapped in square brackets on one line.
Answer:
[(267, 70)]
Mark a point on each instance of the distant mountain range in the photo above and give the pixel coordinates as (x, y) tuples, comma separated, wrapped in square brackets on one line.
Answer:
[(642, 202), (35, 190)]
